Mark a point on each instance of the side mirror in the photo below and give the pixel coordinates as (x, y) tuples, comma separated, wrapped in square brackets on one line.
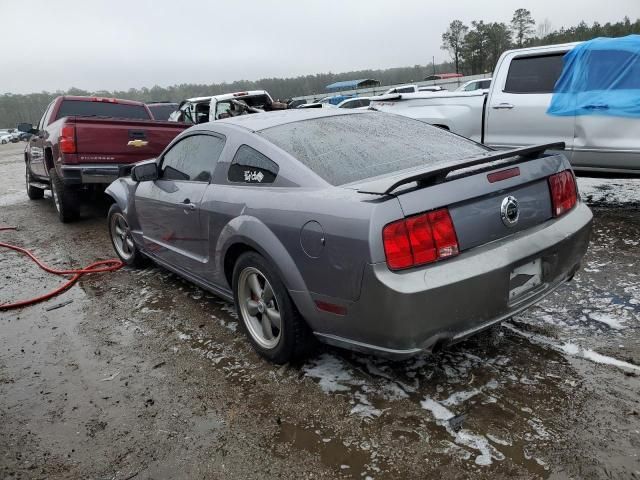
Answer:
[(27, 128), (145, 172)]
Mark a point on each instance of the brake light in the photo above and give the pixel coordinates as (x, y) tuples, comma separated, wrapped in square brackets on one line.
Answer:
[(420, 239), (67, 140), (240, 94), (564, 193), (503, 174)]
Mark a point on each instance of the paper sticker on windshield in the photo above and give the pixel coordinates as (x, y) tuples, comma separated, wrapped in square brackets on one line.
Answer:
[(253, 176)]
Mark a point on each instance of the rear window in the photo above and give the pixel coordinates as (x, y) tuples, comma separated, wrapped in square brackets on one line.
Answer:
[(162, 112), (84, 108), (347, 148), (534, 74)]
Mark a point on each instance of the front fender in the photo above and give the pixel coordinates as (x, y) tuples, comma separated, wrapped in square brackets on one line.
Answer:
[(252, 232)]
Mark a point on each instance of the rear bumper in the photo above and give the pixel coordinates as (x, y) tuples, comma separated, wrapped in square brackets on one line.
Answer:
[(401, 314), (89, 173)]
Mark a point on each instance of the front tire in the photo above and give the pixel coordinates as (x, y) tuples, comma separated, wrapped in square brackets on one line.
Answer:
[(122, 239), (65, 199), (33, 193), (267, 314)]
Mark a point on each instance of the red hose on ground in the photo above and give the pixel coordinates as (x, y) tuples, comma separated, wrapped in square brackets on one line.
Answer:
[(96, 267)]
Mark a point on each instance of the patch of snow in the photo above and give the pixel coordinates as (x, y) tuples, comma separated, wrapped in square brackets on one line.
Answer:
[(616, 190), (574, 350), (331, 373), (596, 357), (438, 411), (607, 319), (364, 408)]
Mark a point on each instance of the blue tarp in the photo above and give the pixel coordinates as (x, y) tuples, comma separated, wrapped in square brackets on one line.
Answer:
[(600, 77)]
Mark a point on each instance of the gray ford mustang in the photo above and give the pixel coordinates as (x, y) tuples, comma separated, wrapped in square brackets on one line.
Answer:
[(362, 229)]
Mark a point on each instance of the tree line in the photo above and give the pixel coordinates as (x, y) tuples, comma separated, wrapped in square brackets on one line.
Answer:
[(476, 48), (473, 49)]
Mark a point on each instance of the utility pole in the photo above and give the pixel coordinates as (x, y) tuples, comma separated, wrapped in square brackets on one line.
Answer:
[(433, 62)]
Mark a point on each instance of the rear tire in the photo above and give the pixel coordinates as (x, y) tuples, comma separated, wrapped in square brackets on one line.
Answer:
[(65, 199), (32, 192), (271, 321), (122, 239)]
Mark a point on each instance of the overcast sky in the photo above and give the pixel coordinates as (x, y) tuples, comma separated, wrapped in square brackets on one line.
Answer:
[(115, 44)]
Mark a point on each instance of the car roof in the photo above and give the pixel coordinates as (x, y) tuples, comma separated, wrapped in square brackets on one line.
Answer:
[(262, 121), (227, 96)]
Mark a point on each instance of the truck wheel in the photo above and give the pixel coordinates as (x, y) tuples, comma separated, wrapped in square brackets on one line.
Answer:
[(121, 238), (267, 314), (33, 193), (65, 199)]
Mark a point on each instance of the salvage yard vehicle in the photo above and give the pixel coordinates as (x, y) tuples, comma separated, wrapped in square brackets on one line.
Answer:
[(414, 89), (81, 143), (472, 85), (355, 102), (207, 109), (515, 113), (369, 231)]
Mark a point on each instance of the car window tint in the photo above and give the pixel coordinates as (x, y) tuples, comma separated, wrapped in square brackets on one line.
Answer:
[(347, 148), (192, 158), (84, 108), (534, 74), (251, 166)]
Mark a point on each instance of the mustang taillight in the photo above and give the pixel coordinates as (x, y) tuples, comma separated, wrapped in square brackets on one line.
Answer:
[(67, 140), (564, 194), (420, 239)]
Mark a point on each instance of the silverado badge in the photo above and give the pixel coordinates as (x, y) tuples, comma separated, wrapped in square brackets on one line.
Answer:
[(137, 143)]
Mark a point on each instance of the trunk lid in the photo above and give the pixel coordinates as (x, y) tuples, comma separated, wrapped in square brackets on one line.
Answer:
[(117, 141), (475, 202)]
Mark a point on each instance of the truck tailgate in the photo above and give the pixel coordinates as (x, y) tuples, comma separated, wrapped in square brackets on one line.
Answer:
[(117, 141)]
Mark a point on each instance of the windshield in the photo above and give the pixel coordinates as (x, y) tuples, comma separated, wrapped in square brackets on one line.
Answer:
[(347, 148), (89, 108)]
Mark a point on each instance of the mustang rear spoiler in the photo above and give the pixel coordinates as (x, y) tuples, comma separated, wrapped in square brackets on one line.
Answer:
[(433, 176)]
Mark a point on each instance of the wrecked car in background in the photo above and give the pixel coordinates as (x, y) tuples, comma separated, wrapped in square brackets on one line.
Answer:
[(207, 109), (371, 231)]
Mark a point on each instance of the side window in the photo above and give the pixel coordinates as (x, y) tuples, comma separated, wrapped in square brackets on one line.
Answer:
[(250, 166), (534, 74), (192, 158), (45, 118)]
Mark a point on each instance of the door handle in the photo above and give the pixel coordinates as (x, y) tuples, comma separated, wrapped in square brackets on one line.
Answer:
[(187, 205), (503, 106)]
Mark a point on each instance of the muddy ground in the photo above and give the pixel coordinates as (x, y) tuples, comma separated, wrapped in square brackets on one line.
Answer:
[(145, 376)]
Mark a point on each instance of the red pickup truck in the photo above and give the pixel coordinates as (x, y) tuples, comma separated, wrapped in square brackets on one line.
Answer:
[(81, 143)]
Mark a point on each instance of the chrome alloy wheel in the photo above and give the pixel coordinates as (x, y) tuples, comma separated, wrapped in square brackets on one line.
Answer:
[(121, 236), (259, 307)]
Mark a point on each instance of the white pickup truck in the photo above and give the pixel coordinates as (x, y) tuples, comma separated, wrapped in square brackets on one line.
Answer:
[(513, 114), (208, 109)]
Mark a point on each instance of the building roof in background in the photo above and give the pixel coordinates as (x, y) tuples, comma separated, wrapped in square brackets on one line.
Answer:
[(349, 84)]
